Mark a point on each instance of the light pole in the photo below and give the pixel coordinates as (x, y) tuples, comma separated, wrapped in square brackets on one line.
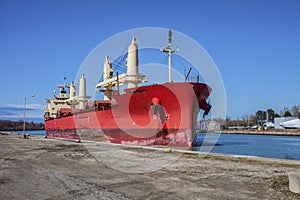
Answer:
[(25, 115)]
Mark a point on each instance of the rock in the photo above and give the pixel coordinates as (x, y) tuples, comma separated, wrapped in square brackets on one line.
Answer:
[(294, 182), (167, 150)]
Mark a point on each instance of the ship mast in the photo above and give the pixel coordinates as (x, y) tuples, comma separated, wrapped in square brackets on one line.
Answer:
[(170, 51)]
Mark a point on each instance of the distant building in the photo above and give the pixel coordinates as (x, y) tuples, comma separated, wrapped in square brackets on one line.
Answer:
[(278, 120), (236, 127), (209, 125)]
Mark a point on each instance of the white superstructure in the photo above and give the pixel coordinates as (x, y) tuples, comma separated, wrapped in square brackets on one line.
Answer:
[(67, 99), (59, 101)]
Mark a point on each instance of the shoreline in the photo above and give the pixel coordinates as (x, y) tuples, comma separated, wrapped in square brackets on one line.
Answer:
[(269, 132), (275, 132)]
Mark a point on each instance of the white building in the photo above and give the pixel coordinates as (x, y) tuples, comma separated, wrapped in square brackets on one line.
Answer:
[(278, 120), (209, 125)]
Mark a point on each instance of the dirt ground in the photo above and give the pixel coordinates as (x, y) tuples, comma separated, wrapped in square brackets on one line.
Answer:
[(44, 168)]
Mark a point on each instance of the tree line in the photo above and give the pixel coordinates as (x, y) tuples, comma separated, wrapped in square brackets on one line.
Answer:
[(262, 116), (7, 125)]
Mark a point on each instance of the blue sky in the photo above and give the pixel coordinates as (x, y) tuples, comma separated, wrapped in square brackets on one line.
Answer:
[(255, 44)]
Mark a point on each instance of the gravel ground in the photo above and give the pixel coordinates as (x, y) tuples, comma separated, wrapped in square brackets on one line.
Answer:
[(40, 168)]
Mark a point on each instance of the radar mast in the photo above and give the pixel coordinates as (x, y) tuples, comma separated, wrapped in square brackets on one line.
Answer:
[(170, 51)]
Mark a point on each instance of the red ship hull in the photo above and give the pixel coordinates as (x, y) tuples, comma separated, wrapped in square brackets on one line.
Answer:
[(162, 114)]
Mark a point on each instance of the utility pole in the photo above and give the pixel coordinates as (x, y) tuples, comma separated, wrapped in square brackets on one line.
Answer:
[(24, 123)]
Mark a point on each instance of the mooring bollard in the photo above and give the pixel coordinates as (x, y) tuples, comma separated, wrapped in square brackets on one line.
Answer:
[(26, 136), (294, 182)]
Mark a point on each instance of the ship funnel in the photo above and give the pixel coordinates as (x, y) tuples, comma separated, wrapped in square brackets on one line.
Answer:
[(132, 64)]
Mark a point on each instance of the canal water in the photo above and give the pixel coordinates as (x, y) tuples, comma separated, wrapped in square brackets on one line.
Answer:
[(283, 147)]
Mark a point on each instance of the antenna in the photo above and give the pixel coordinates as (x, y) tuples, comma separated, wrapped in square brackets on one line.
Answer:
[(65, 81), (170, 51), (170, 38)]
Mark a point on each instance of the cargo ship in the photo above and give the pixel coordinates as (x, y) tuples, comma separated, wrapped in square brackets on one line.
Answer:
[(158, 114)]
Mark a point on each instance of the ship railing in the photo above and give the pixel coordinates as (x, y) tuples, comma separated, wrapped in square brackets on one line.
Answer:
[(192, 79)]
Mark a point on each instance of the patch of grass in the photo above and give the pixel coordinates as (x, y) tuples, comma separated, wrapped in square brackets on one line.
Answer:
[(279, 183)]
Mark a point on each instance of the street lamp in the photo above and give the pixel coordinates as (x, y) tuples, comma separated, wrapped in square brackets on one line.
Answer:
[(25, 115)]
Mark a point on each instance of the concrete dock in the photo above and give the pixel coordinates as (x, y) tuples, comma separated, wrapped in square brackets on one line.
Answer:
[(46, 168)]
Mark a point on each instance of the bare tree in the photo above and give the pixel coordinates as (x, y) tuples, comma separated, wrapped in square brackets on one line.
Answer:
[(282, 112), (295, 110), (252, 119)]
